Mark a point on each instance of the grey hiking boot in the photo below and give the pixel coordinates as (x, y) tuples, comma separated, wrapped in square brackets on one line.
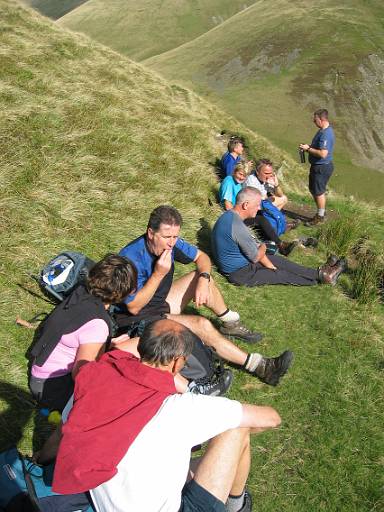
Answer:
[(271, 369), (237, 330), (217, 385), (247, 504), (309, 241)]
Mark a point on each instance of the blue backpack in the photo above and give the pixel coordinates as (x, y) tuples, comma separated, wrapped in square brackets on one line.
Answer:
[(26, 487), (274, 216)]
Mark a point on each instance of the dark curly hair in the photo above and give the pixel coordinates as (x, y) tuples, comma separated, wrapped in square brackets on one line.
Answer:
[(112, 278)]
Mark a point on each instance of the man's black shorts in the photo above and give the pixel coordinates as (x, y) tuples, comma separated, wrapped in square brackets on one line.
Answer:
[(319, 175), (196, 499)]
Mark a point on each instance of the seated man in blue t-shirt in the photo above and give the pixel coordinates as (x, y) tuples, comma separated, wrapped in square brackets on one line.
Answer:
[(232, 156), (320, 155), (231, 186), (157, 295)]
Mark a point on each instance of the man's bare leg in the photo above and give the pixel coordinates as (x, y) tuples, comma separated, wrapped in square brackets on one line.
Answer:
[(183, 291), (211, 337), (224, 467), (320, 201)]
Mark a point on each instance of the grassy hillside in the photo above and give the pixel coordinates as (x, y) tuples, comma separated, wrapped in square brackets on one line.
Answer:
[(146, 28), (90, 142), (274, 63), (54, 8)]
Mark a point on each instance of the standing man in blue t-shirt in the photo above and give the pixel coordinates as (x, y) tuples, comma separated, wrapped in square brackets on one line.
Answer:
[(320, 155)]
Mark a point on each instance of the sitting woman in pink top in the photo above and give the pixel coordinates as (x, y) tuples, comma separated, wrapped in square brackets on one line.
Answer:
[(76, 331)]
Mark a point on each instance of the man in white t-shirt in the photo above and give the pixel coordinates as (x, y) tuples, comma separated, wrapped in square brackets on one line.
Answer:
[(146, 462)]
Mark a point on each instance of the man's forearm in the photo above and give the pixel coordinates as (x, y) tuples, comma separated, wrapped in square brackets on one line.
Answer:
[(320, 153), (145, 294), (203, 263)]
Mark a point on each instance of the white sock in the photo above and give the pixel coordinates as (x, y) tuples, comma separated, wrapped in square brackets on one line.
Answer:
[(229, 316), (235, 503), (321, 212), (253, 361)]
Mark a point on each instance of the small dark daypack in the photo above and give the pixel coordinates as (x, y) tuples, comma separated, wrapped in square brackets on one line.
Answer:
[(274, 216), (62, 273), (26, 487)]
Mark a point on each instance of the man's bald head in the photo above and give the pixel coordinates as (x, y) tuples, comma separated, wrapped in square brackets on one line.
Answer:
[(163, 341), (247, 194)]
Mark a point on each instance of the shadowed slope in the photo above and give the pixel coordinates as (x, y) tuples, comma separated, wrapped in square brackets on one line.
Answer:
[(54, 8), (149, 27)]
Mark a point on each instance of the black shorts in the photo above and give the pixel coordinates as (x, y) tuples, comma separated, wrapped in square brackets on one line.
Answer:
[(195, 498), (319, 175), (52, 393)]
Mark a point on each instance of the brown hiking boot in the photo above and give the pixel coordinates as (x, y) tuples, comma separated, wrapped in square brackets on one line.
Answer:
[(271, 369), (330, 272), (293, 224), (317, 219), (285, 248)]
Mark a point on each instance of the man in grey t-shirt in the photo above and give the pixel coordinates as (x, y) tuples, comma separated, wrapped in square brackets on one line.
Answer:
[(243, 260)]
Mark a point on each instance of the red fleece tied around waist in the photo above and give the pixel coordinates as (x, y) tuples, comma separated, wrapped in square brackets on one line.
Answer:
[(114, 399)]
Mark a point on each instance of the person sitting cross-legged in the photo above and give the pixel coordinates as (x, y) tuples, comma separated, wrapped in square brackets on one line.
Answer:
[(148, 431), (158, 296), (243, 260)]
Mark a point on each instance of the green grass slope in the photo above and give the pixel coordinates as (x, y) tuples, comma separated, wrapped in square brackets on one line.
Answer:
[(54, 8), (149, 27), (90, 142), (274, 63)]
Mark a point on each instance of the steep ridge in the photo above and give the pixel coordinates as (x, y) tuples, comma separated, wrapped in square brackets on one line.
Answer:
[(272, 64), (149, 27), (54, 8)]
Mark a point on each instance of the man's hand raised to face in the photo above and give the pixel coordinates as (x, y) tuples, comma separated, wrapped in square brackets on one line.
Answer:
[(163, 263)]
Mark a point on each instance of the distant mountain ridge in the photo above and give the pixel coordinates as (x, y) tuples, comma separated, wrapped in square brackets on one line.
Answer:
[(270, 64), (335, 58), (149, 27)]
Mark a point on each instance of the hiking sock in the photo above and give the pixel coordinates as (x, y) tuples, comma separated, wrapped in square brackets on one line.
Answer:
[(252, 362), (229, 316), (321, 212), (235, 503)]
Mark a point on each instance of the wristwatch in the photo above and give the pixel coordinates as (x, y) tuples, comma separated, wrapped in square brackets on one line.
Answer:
[(206, 275)]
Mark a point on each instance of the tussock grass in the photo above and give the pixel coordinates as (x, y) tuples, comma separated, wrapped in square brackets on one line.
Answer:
[(367, 282), (90, 143), (341, 235)]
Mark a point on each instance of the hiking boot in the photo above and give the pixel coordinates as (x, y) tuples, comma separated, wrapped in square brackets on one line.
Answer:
[(215, 386), (292, 224), (309, 241), (329, 273), (285, 248), (317, 219), (271, 369), (247, 503), (237, 330)]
